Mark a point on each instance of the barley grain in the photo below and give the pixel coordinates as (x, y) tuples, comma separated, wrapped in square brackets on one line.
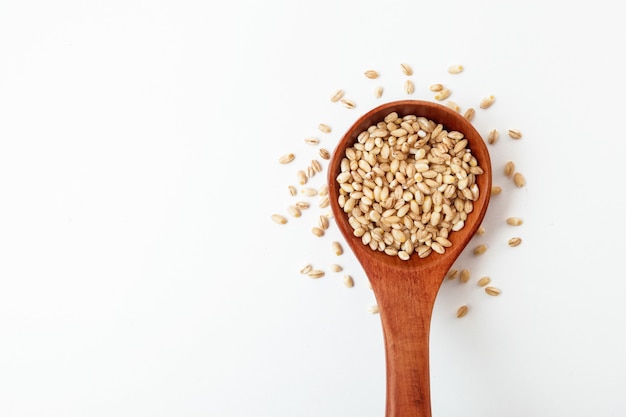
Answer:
[(317, 231), (443, 94), (455, 69), (406, 69), (336, 96), (279, 219), (378, 92), (323, 190), (309, 191), (435, 88), (452, 273), (311, 141), (462, 311), (306, 269), (348, 104), (286, 158), (316, 273), (519, 180), (373, 309), (303, 205), (480, 249), (409, 87), (509, 168), (453, 105), (324, 153), (465, 275), (483, 281), (486, 102), (492, 291), (324, 128), (469, 114), (324, 202), (294, 211), (316, 165), (515, 134), (515, 241), (337, 248), (371, 74), (348, 281), (493, 136), (323, 222), (293, 190), (480, 231), (336, 268), (514, 221)]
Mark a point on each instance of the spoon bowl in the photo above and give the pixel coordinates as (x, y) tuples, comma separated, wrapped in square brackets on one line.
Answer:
[(405, 290)]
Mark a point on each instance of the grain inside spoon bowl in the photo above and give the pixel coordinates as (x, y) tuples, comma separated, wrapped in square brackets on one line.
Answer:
[(404, 247)]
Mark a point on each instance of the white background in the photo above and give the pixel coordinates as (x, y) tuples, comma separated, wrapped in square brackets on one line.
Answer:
[(141, 275)]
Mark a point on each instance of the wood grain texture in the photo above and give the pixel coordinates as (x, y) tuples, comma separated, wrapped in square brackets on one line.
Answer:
[(406, 290)]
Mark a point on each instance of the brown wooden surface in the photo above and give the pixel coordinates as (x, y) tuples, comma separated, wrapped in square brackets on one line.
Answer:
[(406, 290)]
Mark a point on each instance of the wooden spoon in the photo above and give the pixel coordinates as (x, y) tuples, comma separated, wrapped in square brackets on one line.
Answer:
[(405, 290)]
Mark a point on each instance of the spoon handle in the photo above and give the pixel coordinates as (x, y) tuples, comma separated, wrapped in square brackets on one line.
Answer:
[(405, 311)]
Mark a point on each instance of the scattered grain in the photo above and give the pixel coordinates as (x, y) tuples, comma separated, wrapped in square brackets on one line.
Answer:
[(337, 248), (514, 221), (348, 281), (323, 190), (492, 291), (324, 222), (373, 309), (294, 211), (286, 158), (435, 88), (493, 136), (406, 69), (279, 219), (515, 241), (306, 269), (293, 190), (378, 92), (453, 105), (509, 168), (465, 275), (496, 189), (469, 114), (324, 128), (443, 94), (311, 141), (452, 273), (486, 102), (409, 87), (348, 104), (337, 95), (324, 154), (455, 69), (316, 165), (336, 268), (480, 249), (324, 202), (519, 180), (515, 134), (483, 281), (309, 191), (303, 205), (317, 231), (371, 74), (462, 311), (480, 231), (316, 273)]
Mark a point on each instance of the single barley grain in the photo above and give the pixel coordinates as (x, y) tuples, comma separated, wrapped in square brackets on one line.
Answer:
[(493, 136), (514, 221), (480, 231), (373, 309), (465, 275), (453, 105), (409, 87), (324, 202), (469, 114), (371, 74), (286, 158), (316, 273), (324, 128), (348, 281), (406, 69), (492, 291), (519, 180), (443, 94), (509, 168), (294, 211), (496, 189), (316, 165), (515, 241), (306, 269), (483, 281), (337, 95), (337, 248), (309, 191), (462, 311), (480, 249), (324, 223), (435, 88), (336, 268), (317, 231), (515, 134), (324, 154), (323, 190), (452, 273), (455, 69), (378, 92), (279, 219), (348, 104), (311, 141), (293, 190), (486, 102)]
